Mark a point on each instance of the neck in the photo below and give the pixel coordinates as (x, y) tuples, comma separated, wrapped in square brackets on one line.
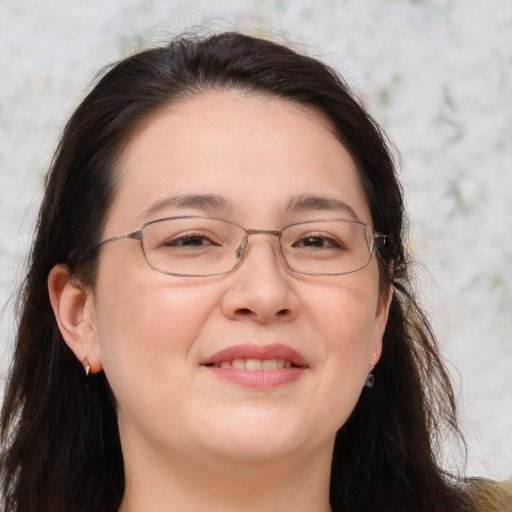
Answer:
[(288, 484)]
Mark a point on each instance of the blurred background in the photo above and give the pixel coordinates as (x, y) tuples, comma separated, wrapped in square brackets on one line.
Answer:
[(437, 74)]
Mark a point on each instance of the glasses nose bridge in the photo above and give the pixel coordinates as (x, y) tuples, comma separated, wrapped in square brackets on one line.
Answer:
[(272, 232)]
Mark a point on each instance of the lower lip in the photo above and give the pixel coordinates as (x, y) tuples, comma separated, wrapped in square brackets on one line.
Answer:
[(258, 378)]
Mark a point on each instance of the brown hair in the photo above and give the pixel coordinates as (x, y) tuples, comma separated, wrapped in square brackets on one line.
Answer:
[(61, 446)]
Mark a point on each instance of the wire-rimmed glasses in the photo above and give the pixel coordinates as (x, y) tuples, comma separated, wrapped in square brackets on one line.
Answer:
[(197, 246)]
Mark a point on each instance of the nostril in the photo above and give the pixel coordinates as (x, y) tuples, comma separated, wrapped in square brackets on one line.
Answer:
[(283, 312)]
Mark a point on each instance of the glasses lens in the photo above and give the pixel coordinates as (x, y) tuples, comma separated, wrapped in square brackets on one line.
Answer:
[(327, 247), (192, 246)]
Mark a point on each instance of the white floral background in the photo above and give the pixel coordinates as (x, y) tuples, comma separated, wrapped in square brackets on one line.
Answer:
[(436, 73)]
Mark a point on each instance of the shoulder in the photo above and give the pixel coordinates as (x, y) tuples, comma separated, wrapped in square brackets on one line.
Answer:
[(492, 496)]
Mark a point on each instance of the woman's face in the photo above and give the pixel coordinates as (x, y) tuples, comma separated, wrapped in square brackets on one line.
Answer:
[(157, 335)]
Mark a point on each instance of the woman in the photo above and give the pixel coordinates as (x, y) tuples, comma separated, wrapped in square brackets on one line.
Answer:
[(218, 313)]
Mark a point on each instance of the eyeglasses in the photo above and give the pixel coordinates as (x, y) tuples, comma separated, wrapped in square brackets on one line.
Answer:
[(194, 246)]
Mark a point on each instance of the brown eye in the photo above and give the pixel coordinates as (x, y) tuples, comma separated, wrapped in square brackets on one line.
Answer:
[(318, 242), (189, 240)]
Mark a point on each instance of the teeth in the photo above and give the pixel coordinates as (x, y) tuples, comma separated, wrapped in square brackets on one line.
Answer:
[(269, 364), (255, 364), (238, 363)]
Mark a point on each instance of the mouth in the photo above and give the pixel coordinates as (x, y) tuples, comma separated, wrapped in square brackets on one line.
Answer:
[(252, 356), (257, 366)]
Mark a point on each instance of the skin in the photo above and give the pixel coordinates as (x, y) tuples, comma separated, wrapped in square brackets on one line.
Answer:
[(191, 440)]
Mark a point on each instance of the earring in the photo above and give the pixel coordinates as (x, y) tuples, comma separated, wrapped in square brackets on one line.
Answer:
[(370, 380), (87, 369)]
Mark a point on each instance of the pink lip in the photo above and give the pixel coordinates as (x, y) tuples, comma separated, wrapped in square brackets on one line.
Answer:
[(251, 351), (262, 379)]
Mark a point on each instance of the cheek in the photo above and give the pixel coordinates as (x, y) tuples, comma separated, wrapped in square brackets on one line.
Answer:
[(345, 313), (147, 325), (346, 331)]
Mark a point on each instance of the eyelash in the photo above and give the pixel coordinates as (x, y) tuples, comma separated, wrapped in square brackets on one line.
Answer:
[(182, 237), (329, 240)]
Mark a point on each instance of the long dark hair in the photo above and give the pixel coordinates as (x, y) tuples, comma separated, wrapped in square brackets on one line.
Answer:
[(61, 447)]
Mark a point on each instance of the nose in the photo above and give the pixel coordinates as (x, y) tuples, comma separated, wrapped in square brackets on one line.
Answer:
[(261, 289)]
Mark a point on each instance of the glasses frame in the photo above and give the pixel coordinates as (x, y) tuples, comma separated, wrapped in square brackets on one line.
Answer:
[(378, 241)]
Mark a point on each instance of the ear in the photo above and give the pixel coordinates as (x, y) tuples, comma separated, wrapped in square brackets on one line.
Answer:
[(73, 307), (381, 320)]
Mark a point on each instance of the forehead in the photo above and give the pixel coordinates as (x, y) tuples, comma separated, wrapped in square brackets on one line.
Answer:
[(258, 153)]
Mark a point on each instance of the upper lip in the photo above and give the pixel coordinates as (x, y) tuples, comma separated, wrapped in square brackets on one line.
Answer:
[(253, 351)]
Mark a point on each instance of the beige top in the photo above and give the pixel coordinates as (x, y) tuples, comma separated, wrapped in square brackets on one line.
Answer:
[(493, 496)]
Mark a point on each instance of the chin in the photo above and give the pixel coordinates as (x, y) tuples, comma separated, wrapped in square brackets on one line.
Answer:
[(262, 439), (254, 450)]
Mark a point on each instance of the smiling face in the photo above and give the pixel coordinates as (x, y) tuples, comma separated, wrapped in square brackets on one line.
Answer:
[(180, 352)]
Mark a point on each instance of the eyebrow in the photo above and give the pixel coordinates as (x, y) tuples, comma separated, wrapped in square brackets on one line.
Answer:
[(214, 203), (304, 203), (202, 202)]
